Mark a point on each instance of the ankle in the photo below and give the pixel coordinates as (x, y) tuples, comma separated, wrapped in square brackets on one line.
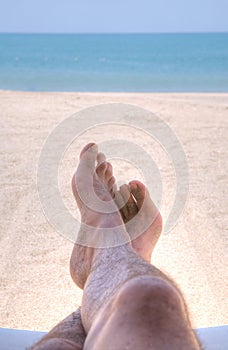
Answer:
[(111, 256), (97, 219)]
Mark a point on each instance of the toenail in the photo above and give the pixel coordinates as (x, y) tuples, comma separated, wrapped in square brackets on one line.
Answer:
[(133, 185)]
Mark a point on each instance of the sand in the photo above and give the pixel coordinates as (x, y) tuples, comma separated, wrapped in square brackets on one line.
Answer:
[(36, 288)]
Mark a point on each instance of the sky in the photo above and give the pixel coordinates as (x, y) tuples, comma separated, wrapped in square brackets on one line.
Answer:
[(113, 16)]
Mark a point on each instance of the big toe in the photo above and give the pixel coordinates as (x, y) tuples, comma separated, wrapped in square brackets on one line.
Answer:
[(88, 155), (145, 204), (138, 190), (84, 173)]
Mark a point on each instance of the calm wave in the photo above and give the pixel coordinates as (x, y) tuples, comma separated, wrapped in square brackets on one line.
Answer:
[(114, 62)]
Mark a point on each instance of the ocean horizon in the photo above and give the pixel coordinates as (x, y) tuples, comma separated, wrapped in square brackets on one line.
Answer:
[(180, 62)]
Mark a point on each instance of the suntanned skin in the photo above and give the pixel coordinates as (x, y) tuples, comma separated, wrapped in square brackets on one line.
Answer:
[(69, 334), (127, 302)]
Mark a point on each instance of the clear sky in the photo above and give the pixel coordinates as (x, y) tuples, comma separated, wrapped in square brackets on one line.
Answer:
[(95, 16)]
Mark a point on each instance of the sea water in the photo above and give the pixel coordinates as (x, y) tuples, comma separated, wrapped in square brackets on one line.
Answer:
[(114, 62)]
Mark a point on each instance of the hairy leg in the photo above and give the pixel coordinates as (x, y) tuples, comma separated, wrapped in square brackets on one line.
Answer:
[(146, 313), (69, 334), (123, 294)]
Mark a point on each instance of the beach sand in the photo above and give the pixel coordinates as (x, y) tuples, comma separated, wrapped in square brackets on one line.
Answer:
[(36, 288)]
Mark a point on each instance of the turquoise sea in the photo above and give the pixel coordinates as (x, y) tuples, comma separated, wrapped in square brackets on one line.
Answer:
[(114, 62)]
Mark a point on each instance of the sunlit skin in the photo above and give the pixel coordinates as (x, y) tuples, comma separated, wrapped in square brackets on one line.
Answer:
[(127, 302)]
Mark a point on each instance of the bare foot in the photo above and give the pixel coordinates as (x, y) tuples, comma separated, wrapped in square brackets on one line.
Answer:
[(134, 199), (92, 185), (93, 181), (138, 202)]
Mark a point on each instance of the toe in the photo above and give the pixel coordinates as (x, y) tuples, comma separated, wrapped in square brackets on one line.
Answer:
[(129, 201), (87, 163), (100, 158), (88, 157), (101, 169), (110, 185), (144, 201), (119, 201), (113, 189), (101, 165), (83, 177), (138, 190), (89, 149), (126, 194), (108, 172)]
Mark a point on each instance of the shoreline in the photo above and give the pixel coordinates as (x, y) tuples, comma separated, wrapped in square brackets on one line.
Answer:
[(119, 92), (34, 257)]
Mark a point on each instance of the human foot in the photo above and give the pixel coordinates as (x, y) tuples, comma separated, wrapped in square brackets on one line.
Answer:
[(92, 185), (142, 219), (134, 199)]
